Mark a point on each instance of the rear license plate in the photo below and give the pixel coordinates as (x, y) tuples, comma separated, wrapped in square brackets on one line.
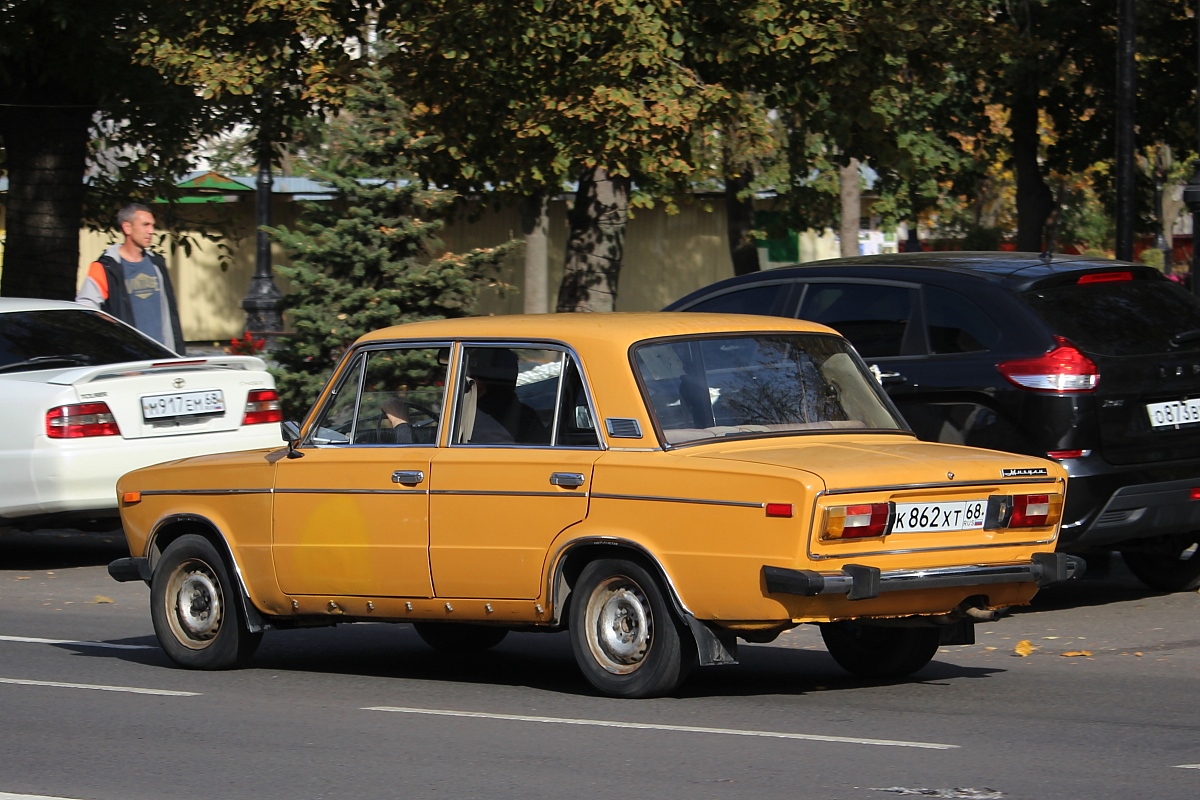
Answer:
[(184, 404), (953, 516), (1176, 412)]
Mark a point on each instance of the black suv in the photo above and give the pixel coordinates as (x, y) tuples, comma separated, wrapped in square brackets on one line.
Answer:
[(1091, 362)]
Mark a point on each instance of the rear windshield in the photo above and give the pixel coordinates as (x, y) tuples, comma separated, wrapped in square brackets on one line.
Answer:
[(59, 338), (759, 385), (1121, 318)]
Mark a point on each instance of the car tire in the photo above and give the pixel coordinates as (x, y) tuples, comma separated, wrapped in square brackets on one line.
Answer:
[(446, 637), (879, 651), (1175, 568), (626, 640), (195, 608)]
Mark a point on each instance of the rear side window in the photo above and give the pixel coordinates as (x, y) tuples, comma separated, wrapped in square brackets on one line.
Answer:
[(758, 299), (955, 324), (874, 317), (58, 338), (1119, 318)]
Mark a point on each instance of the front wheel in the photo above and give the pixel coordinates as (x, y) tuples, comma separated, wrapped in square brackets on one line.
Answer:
[(625, 639), (878, 651), (195, 610), (1175, 567)]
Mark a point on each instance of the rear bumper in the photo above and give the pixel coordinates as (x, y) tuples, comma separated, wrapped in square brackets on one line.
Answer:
[(858, 582)]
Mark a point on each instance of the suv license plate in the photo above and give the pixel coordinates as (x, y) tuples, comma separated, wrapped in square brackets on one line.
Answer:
[(925, 517), (184, 404), (1174, 413)]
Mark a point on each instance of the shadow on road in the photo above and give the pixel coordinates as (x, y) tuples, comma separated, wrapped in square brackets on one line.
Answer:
[(1106, 581), (59, 549)]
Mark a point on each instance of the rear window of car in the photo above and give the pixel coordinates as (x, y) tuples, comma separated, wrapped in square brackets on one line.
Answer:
[(1119, 318), (51, 339), (758, 385)]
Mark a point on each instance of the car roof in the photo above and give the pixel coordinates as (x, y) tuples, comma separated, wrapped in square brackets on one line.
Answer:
[(11, 304), (618, 328), (1017, 271)]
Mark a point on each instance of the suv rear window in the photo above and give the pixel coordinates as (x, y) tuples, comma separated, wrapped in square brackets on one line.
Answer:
[(58, 338), (1119, 318)]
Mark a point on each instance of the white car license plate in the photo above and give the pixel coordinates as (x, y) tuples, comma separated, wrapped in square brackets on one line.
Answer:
[(1176, 412), (184, 404), (952, 516)]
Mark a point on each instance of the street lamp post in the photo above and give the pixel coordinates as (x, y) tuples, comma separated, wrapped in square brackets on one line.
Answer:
[(263, 300)]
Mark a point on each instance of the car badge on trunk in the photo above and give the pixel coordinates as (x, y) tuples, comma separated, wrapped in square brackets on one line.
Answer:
[(1024, 472), (178, 383)]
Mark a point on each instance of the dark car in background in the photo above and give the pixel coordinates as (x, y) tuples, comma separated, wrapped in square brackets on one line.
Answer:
[(1091, 362)]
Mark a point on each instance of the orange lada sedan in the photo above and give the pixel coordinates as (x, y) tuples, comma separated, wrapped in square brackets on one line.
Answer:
[(660, 486)]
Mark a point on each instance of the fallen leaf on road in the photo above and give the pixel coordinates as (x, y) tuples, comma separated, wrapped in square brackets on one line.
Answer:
[(1139, 655), (102, 599), (1024, 648), (22, 577), (1075, 653)]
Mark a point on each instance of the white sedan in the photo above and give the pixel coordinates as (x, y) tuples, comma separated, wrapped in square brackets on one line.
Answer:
[(85, 398)]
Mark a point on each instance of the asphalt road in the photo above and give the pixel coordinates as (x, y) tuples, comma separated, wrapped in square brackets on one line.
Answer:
[(1105, 705)]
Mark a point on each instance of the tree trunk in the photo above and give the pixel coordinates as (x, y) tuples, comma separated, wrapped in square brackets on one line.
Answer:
[(851, 191), (595, 243), (1034, 199), (739, 219), (535, 225), (46, 157)]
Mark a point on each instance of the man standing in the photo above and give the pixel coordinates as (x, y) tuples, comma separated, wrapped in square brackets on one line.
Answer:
[(131, 282)]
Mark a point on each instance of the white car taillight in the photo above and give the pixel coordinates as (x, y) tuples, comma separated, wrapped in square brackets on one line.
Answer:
[(78, 421), (262, 405)]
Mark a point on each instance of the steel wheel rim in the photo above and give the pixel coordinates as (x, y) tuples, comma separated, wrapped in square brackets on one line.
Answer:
[(195, 607), (620, 625)]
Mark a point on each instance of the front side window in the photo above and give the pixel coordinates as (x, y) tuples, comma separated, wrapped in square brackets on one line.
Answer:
[(389, 396), (759, 384), (760, 299)]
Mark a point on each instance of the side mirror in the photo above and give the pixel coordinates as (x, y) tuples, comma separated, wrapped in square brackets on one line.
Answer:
[(291, 434)]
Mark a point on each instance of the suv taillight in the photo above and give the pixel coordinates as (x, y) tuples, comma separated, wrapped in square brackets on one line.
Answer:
[(262, 405), (1063, 370), (78, 421)]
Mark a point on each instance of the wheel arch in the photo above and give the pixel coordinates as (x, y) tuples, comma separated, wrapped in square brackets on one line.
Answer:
[(171, 528)]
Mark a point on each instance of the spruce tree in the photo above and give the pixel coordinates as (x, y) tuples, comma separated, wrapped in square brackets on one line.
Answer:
[(370, 258)]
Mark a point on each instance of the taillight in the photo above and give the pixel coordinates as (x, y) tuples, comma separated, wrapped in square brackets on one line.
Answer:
[(262, 405), (863, 521), (1023, 510), (78, 421), (1063, 370)]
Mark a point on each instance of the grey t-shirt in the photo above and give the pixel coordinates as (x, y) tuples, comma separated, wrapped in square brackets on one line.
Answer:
[(144, 285)]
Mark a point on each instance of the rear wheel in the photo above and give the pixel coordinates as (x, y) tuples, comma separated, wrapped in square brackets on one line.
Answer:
[(879, 651), (447, 637), (194, 606), (625, 638), (1172, 567)]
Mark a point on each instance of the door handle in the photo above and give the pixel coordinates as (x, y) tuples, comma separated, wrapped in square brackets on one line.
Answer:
[(885, 378), (568, 479), (408, 477)]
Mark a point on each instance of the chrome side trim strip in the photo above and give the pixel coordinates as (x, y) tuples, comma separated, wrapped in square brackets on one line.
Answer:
[(350, 491), (167, 492), (487, 493), (696, 501)]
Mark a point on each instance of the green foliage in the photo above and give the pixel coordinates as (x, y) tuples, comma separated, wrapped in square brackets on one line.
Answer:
[(371, 258)]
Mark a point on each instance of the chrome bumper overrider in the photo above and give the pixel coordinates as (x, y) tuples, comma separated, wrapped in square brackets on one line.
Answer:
[(859, 582)]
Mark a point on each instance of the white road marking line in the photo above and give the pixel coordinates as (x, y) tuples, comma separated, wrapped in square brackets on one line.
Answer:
[(645, 726), (1177, 766), (109, 645), (7, 796), (99, 688)]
